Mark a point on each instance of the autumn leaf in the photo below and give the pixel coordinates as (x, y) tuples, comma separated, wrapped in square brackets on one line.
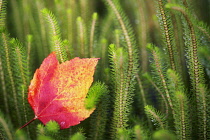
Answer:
[(57, 91)]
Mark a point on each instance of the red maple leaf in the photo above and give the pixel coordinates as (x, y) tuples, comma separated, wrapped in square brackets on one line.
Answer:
[(57, 91)]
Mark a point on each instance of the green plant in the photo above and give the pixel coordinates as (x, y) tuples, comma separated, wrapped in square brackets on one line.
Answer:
[(153, 72)]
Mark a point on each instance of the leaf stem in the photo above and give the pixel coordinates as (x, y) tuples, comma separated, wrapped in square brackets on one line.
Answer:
[(28, 122)]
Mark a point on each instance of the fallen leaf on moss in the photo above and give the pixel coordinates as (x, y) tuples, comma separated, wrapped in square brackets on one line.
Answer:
[(57, 91)]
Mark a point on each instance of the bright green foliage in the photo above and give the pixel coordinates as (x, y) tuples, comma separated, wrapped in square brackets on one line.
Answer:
[(94, 95), (44, 138), (156, 117), (78, 136), (6, 56), (20, 135), (124, 67), (163, 135), (16, 77), (123, 134), (118, 57), (56, 42), (181, 106), (175, 82), (21, 59), (100, 117), (140, 133), (3, 4), (50, 131), (182, 116), (154, 77), (123, 98), (52, 127)]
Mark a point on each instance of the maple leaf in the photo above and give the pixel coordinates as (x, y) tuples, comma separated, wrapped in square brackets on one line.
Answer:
[(57, 91)]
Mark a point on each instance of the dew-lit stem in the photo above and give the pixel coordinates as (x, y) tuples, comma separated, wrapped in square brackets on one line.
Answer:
[(168, 36)]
